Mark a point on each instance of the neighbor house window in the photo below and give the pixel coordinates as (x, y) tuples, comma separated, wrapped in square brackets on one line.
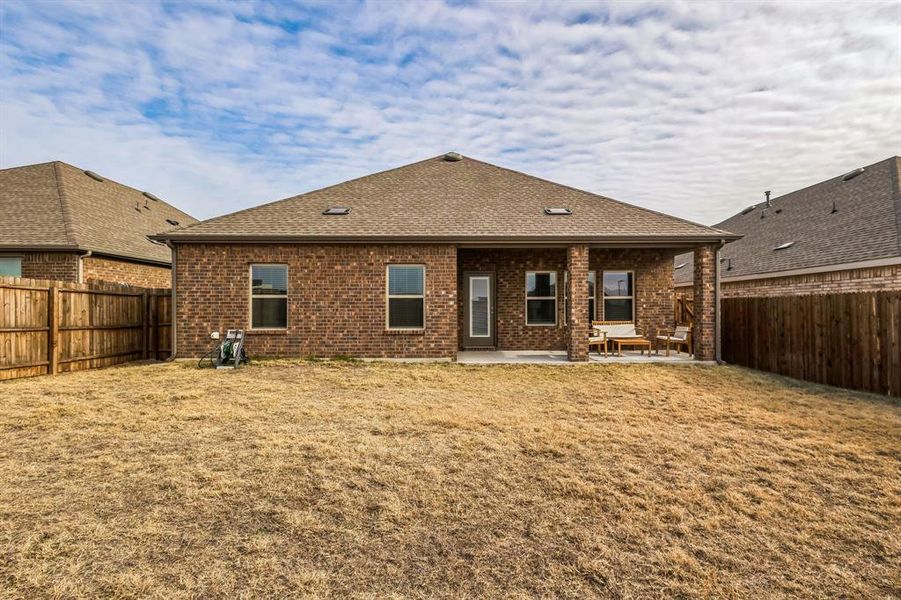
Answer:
[(619, 301), (541, 298), (406, 297), (269, 296), (592, 280), (10, 266)]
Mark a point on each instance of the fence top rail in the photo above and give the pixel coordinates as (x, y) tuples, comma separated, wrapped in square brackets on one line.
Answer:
[(46, 284)]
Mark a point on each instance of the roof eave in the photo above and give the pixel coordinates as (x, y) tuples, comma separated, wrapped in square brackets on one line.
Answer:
[(686, 240), (94, 251)]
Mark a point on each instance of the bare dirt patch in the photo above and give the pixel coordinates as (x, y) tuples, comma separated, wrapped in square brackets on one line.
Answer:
[(384, 480)]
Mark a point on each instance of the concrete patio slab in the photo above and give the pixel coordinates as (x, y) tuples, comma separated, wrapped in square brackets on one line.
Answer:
[(555, 357)]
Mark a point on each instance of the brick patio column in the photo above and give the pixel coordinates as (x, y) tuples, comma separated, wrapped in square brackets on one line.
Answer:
[(703, 332), (577, 292)]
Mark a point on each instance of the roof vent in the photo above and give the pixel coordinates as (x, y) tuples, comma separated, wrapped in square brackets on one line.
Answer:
[(93, 175), (767, 194), (172, 222), (681, 266), (763, 214), (151, 196), (749, 209), (453, 157), (728, 264), (336, 210), (852, 174), (557, 211), (834, 208), (784, 246)]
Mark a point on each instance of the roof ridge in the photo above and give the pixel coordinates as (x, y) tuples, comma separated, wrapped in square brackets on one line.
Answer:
[(581, 191), (296, 196), (68, 220)]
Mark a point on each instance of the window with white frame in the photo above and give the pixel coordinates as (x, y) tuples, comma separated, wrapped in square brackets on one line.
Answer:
[(541, 298), (406, 297), (268, 296), (619, 299), (10, 266), (592, 280)]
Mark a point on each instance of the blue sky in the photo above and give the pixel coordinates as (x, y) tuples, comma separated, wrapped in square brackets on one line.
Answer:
[(688, 108)]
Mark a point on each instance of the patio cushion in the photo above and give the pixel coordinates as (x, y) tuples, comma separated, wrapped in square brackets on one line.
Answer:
[(618, 331)]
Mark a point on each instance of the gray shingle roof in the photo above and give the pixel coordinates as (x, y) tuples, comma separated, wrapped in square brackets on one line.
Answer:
[(57, 206), (866, 226), (437, 199)]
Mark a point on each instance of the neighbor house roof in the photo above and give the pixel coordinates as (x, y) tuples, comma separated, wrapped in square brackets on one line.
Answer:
[(55, 206), (447, 198), (851, 218)]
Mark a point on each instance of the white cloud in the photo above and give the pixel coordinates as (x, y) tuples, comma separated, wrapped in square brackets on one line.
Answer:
[(689, 108)]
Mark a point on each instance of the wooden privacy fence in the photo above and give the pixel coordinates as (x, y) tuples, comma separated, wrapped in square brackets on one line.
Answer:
[(847, 340), (684, 310), (54, 326)]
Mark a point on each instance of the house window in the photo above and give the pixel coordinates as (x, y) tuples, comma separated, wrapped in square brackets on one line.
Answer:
[(592, 280), (10, 266), (269, 296), (406, 297), (619, 301), (541, 298)]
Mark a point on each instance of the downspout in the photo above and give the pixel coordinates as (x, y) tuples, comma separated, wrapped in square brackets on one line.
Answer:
[(172, 314), (717, 324), (81, 265)]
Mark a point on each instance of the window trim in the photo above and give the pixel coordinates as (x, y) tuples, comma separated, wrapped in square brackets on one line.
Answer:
[(605, 297), (389, 296), (593, 314), (21, 258), (251, 296), (525, 289)]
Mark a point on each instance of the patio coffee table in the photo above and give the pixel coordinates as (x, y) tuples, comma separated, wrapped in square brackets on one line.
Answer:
[(641, 343)]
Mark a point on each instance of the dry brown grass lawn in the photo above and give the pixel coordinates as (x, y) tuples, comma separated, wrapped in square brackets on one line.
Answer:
[(382, 480)]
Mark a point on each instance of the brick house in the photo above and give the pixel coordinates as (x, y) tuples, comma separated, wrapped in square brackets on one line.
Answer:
[(63, 223), (840, 235), (427, 259)]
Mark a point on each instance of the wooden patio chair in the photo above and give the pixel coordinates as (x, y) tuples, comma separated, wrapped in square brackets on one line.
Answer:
[(680, 336), (602, 332)]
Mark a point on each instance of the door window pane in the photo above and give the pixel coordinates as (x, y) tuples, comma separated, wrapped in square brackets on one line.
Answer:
[(479, 307)]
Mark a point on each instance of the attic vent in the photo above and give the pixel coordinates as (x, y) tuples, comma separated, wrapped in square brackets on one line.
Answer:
[(852, 174), (151, 196), (172, 222), (157, 242), (453, 157), (681, 266), (93, 176), (784, 246), (834, 208), (336, 210), (557, 211), (749, 209)]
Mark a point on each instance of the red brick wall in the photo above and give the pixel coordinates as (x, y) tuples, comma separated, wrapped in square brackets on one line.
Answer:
[(510, 268), (703, 333), (59, 266), (577, 320), (653, 289), (97, 268), (336, 299), (653, 283)]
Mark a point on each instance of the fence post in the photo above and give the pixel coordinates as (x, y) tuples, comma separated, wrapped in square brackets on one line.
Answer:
[(52, 330), (144, 325), (154, 330)]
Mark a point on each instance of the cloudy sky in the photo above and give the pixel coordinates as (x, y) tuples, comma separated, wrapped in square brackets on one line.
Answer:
[(688, 108)]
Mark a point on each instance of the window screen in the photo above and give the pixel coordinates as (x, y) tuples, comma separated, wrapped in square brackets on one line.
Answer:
[(541, 298), (269, 296), (406, 297)]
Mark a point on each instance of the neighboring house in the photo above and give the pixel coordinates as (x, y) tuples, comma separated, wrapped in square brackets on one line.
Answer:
[(426, 259), (841, 235), (60, 222)]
